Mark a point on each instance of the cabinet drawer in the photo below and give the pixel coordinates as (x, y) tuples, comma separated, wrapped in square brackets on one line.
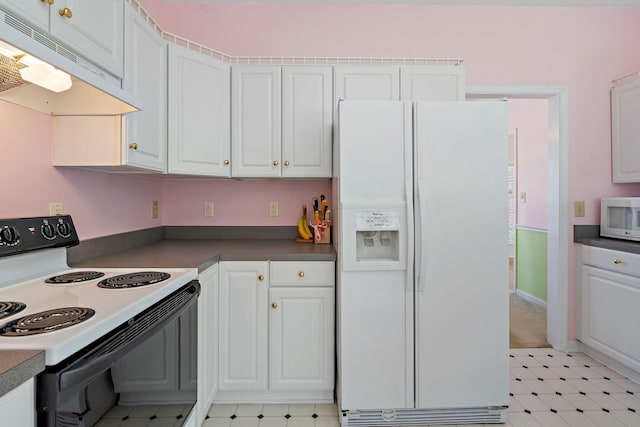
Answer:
[(620, 262), (294, 273)]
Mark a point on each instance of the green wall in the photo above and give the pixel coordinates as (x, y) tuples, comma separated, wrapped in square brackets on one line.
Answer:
[(531, 262)]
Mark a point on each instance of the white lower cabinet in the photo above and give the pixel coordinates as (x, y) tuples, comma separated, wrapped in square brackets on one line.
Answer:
[(207, 341), (17, 407), (276, 331), (609, 301)]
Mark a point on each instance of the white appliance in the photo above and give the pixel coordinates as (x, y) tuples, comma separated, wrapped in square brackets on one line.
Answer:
[(422, 273), (620, 217)]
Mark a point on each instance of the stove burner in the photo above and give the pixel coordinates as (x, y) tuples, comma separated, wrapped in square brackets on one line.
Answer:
[(46, 321), (74, 277), (9, 308), (133, 280)]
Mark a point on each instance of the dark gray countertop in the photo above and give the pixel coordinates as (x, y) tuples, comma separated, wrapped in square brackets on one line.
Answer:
[(201, 254), (17, 366), (590, 235)]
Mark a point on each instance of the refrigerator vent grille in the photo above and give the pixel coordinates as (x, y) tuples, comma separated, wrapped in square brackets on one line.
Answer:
[(424, 417)]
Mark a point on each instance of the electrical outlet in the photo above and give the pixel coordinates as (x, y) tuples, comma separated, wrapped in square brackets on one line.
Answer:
[(578, 208), (154, 208), (208, 208), (55, 209), (273, 208)]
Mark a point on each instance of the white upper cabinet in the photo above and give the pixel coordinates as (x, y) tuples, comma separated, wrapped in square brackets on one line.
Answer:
[(256, 121), (367, 82), (432, 83), (146, 80), (281, 121), (625, 131), (306, 121), (93, 29), (199, 127)]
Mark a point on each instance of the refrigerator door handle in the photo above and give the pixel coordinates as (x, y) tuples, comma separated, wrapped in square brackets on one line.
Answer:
[(410, 235), (421, 241)]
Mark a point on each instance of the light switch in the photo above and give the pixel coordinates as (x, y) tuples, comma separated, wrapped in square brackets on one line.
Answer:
[(523, 197)]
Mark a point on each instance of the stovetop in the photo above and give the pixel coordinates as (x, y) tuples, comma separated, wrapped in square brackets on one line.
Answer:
[(32, 252)]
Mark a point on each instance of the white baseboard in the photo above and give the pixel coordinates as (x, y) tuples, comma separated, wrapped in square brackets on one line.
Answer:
[(535, 300), (632, 374), (574, 346)]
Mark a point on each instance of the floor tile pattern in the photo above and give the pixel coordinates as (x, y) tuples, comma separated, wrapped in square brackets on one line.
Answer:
[(547, 389)]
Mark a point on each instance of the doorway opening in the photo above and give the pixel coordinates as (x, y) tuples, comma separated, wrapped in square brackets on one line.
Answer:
[(557, 158)]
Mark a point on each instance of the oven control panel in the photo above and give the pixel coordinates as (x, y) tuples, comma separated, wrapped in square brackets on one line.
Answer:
[(28, 234)]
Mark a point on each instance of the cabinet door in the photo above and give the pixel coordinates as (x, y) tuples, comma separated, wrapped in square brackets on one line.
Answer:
[(35, 11), (207, 340), (146, 79), (255, 121), (95, 29), (243, 325), (432, 83), (301, 338), (17, 407), (625, 127), (609, 314), (137, 372), (367, 83), (199, 113), (306, 121), (188, 359)]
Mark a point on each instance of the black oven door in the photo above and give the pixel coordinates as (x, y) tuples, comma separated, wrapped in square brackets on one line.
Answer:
[(82, 388)]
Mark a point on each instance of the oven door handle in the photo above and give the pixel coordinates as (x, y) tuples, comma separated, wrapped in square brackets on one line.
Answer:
[(125, 338)]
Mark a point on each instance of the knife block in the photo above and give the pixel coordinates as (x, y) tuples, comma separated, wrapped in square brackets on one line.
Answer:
[(325, 235)]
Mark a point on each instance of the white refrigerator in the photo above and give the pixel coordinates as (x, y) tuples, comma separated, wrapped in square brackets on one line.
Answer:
[(422, 267)]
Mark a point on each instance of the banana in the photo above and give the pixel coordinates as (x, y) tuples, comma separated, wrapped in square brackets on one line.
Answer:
[(302, 228)]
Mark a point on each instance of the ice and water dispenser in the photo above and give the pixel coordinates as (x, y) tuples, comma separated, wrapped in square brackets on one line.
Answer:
[(374, 239)]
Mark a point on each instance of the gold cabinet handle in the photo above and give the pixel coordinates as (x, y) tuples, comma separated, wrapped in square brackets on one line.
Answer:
[(226, 162), (617, 261), (133, 146), (301, 274), (49, 2), (275, 163), (261, 277), (286, 162), (66, 12), (274, 305)]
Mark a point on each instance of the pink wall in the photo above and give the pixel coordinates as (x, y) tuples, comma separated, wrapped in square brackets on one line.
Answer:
[(530, 118), (240, 202)]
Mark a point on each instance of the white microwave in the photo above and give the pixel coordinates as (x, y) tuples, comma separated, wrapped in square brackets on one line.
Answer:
[(620, 217)]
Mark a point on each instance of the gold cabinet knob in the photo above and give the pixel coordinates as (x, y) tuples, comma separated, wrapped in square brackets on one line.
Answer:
[(286, 162), (274, 305), (226, 162), (66, 12), (261, 277), (133, 146), (275, 163), (617, 261), (49, 2), (301, 274)]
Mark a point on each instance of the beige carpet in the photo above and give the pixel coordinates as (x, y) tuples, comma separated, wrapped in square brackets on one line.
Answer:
[(527, 324)]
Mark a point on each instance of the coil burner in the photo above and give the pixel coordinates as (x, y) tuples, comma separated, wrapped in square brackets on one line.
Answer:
[(133, 280), (47, 321), (74, 277), (9, 308)]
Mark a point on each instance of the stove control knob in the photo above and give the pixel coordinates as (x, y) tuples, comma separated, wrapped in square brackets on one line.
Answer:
[(48, 231), (64, 229), (9, 236)]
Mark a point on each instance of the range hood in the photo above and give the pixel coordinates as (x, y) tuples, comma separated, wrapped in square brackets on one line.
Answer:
[(93, 91)]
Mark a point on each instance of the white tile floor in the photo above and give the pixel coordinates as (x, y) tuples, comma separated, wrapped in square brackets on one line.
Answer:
[(547, 388)]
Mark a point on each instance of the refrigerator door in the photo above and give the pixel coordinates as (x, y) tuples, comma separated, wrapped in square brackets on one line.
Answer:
[(462, 317), (375, 264)]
